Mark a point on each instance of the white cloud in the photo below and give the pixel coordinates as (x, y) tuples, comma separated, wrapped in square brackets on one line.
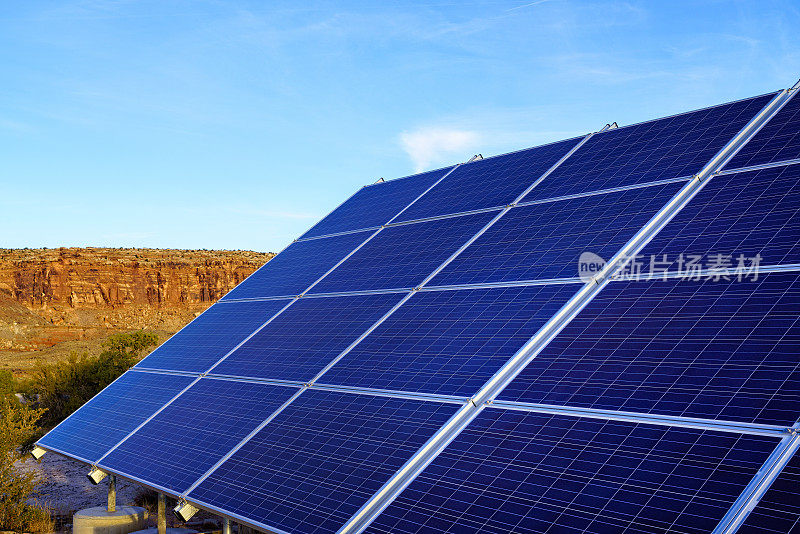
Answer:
[(433, 145)]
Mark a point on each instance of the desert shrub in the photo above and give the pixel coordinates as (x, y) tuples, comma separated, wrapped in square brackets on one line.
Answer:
[(61, 388), (18, 422)]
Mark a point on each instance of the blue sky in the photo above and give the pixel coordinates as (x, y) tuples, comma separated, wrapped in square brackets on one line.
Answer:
[(236, 125)]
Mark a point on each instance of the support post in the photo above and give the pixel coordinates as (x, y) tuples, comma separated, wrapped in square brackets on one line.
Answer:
[(162, 514), (112, 494), (226, 525)]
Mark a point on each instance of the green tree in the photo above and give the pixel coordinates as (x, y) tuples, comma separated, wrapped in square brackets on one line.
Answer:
[(63, 387), (18, 423)]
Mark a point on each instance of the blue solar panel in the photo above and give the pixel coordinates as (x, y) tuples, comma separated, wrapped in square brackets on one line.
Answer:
[(778, 512), (320, 459), (545, 240), (186, 439), (661, 149), (301, 341), (201, 343), (105, 420), (402, 256), (376, 204), (715, 349), (488, 183), (778, 140), (449, 342), (525, 472), (747, 214), (292, 271)]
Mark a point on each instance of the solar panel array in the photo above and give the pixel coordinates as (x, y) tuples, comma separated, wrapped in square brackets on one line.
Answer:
[(427, 358)]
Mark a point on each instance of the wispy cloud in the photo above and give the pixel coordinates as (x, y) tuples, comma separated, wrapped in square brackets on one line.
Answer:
[(431, 145)]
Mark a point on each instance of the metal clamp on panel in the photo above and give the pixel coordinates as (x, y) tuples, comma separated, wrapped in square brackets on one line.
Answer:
[(185, 510), (96, 475), (37, 452)]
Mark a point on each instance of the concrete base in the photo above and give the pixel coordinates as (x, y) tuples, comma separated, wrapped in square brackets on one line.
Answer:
[(97, 520)]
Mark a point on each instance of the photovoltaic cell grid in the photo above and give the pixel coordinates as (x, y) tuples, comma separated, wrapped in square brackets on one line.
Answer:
[(402, 256), (543, 241), (320, 459), (105, 420), (714, 349), (661, 149), (301, 341), (513, 471), (778, 140), (293, 270), (488, 183), (177, 446), (376, 204), (449, 342), (328, 452), (749, 214), (778, 511), (209, 337)]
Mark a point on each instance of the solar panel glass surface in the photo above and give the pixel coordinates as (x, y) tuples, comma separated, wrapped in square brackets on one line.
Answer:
[(375, 204), (449, 342), (512, 471), (778, 140), (320, 459), (714, 349), (778, 511), (546, 240), (177, 446), (492, 182), (301, 341), (403, 256), (293, 270), (661, 149), (201, 343), (114, 413), (734, 218)]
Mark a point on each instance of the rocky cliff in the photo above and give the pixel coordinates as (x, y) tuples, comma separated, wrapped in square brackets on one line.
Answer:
[(110, 278), (60, 298)]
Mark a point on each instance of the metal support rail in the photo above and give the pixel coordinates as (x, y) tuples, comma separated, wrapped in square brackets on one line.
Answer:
[(378, 502), (762, 166), (755, 429), (701, 273), (758, 486)]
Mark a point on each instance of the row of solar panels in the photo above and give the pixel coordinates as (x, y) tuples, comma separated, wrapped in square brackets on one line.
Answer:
[(391, 364)]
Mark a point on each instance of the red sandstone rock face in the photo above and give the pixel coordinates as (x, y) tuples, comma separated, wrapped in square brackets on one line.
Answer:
[(54, 302), (109, 278)]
